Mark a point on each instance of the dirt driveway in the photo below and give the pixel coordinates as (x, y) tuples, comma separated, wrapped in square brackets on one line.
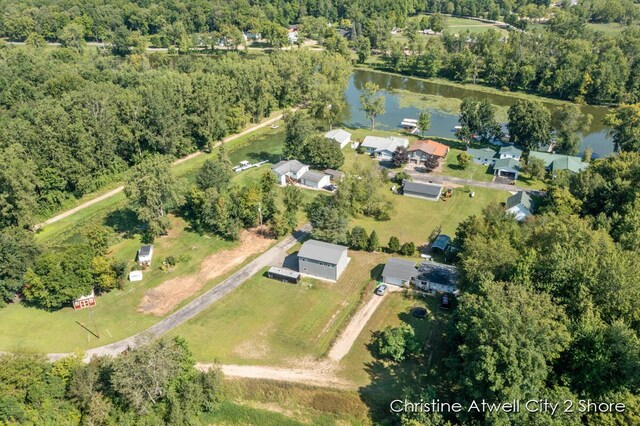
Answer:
[(164, 298)]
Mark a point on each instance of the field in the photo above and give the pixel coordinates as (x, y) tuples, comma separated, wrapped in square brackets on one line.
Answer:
[(460, 25), (268, 322)]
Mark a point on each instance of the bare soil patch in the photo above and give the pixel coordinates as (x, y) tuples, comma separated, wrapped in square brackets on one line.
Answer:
[(164, 298)]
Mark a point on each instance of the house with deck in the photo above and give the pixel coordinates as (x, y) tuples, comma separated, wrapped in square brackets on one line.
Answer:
[(420, 151), (322, 260), (289, 170), (383, 147)]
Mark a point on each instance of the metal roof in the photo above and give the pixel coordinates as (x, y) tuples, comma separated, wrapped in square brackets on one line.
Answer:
[(560, 161), (400, 268), (428, 189), (441, 242), (511, 150), (486, 153), (321, 251), (520, 197), (382, 144), (339, 135), (507, 164), (284, 272)]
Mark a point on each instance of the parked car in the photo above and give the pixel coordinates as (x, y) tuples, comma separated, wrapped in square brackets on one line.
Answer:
[(381, 289), (330, 188), (444, 302)]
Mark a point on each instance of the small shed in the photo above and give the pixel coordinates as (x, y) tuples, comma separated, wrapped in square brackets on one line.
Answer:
[(145, 254), (85, 301), (441, 243), (135, 276), (335, 175), (339, 136), (426, 191), (284, 274), (398, 271)]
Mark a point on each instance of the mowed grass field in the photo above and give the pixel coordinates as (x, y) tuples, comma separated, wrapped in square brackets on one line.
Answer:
[(268, 322)]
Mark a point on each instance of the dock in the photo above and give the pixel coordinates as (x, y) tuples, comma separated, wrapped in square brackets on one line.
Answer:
[(245, 165)]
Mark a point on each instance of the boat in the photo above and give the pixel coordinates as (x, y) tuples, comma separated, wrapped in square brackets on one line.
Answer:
[(245, 165), (409, 123)]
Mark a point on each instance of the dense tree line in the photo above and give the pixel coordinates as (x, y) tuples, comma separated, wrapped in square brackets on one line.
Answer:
[(568, 61), (156, 383), (70, 122), (550, 306)]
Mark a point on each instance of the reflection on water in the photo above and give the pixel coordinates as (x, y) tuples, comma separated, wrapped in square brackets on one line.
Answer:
[(443, 123)]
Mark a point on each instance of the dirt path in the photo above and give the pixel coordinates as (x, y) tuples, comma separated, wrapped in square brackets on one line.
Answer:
[(163, 299), (178, 161), (314, 377), (345, 341)]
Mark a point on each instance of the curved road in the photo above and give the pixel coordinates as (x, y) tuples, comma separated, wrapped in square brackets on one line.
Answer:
[(178, 161), (193, 308)]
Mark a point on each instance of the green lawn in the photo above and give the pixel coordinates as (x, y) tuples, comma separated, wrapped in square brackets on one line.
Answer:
[(115, 315), (611, 28), (269, 322), (459, 25), (478, 172)]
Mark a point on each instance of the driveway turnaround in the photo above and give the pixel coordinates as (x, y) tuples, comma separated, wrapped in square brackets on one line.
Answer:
[(193, 308)]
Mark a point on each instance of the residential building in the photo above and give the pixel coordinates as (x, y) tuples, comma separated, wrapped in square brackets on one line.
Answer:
[(427, 191), (507, 168), (510, 151), (322, 260), (399, 271), (421, 150), (289, 169), (519, 205), (484, 156), (434, 276), (557, 162), (381, 147), (339, 136), (315, 179)]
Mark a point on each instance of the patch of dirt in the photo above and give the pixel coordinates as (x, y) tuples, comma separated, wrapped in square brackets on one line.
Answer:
[(164, 298), (253, 349)]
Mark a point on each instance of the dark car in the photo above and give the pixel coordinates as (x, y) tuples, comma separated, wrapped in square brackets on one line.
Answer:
[(330, 188), (381, 289), (444, 302)]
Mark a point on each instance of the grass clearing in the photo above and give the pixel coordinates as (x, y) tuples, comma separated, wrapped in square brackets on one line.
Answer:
[(268, 322)]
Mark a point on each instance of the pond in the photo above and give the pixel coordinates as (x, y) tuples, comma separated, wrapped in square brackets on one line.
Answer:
[(406, 97)]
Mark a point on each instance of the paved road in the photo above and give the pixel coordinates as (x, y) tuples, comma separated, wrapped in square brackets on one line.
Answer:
[(425, 177), (178, 161), (193, 308)]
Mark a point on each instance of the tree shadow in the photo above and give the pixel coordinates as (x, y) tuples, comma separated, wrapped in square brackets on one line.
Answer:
[(376, 272), (264, 156), (124, 221)]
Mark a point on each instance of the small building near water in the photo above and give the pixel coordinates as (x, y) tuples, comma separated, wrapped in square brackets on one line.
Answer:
[(339, 136)]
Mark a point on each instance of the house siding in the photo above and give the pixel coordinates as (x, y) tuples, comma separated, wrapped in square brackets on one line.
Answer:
[(323, 270)]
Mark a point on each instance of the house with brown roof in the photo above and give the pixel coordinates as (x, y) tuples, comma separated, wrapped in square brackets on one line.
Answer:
[(421, 150)]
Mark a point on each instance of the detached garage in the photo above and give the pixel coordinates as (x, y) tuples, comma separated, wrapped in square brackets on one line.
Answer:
[(426, 191), (399, 272)]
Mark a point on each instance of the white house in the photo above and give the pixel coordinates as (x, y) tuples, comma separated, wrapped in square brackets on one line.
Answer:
[(315, 179), (399, 271), (519, 205), (145, 254), (383, 148), (510, 152), (292, 169), (341, 137)]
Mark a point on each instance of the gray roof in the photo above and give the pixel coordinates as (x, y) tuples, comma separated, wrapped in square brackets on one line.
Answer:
[(520, 197), (428, 189), (287, 166), (338, 135), (400, 268), (336, 174), (313, 175), (145, 250), (438, 273), (321, 251), (384, 144), (486, 153), (511, 150)]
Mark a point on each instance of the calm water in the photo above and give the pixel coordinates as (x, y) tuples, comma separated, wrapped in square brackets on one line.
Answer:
[(442, 122)]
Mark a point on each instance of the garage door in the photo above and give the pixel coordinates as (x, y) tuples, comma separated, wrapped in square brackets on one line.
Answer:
[(392, 281)]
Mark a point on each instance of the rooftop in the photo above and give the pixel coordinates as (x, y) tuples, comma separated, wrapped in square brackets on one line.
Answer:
[(338, 135), (510, 149), (430, 147), (400, 268), (507, 164), (287, 166), (441, 242), (557, 162), (438, 273), (145, 250), (486, 153), (321, 251), (428, 189), (313, 175), (519, 197), (381, 143)]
